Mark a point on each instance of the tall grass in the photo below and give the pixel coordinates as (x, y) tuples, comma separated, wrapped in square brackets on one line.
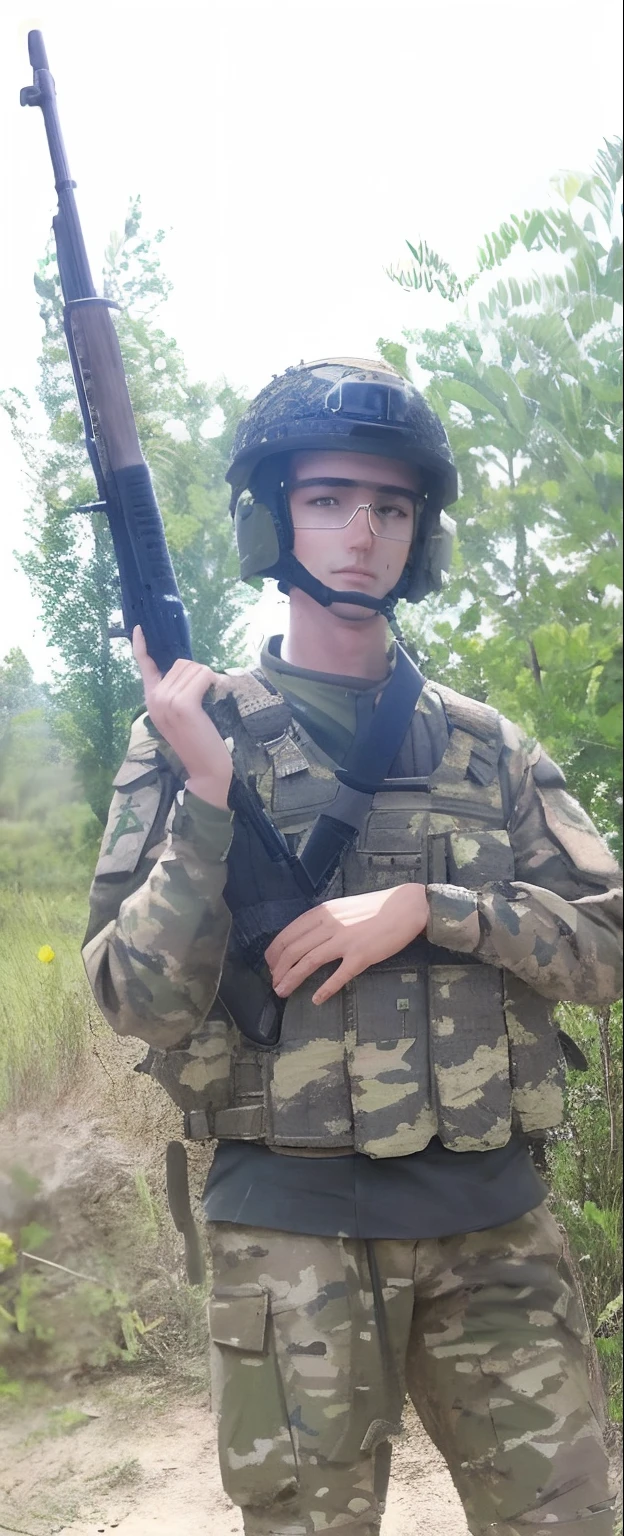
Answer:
[(585, 1167), (44, 1008)]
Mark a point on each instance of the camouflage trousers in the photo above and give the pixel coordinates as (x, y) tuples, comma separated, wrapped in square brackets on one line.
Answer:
[(485, 1332)]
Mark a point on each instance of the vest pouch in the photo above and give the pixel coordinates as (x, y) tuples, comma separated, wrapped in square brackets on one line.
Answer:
[(307, 1096), (478, 858), (248, 1397), (537, 1061), (363, 872), (470, 1057), (388, 1061), (198, 1075)]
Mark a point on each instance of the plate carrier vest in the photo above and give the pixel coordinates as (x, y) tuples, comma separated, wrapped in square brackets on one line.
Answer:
[(427, 1043)]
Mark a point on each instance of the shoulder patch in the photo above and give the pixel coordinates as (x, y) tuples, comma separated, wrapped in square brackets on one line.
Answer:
[(132, 814)]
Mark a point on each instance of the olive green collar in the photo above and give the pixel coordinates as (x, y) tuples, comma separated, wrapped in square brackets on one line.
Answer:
[(328, 705)]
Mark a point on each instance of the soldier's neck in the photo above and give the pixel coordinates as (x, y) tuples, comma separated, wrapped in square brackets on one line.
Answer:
[(319, 640)]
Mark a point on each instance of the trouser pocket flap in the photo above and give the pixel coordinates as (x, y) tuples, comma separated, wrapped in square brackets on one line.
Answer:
[(239, 1318), (256, 1451)]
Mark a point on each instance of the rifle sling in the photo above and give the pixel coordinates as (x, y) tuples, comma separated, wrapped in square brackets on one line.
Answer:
[(368, 762)]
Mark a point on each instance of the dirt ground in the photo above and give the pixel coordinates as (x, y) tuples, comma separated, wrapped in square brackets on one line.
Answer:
[(150, 1469), (130, 1447)]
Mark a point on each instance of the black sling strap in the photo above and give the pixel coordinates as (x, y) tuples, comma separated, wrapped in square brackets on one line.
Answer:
[(368, 761)]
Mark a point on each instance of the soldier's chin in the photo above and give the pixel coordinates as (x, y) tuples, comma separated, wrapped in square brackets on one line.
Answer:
[(353, 613)]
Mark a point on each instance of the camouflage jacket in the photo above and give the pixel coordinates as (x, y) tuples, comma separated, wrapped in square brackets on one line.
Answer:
[(452, 1036)]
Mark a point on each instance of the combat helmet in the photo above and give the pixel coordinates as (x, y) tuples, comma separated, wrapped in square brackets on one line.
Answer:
[(347, 403)]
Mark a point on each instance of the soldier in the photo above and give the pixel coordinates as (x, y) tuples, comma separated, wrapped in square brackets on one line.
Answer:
[(376, 1224)]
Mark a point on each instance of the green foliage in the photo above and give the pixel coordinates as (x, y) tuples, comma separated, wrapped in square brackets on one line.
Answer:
[(18, 690), (585, 1165), (98, 1306), (70, 562), (8, 1256), (102, 1314), (536, 230), (48, 834), (532, 401)]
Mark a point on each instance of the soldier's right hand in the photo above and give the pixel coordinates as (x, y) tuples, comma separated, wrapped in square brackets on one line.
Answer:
[(174, 704)]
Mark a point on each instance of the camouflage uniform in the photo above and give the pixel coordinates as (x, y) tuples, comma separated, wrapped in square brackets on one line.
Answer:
[(486, 1333), (452, 1037)]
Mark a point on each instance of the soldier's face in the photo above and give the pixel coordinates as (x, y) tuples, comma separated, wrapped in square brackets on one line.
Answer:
[(353, 517)]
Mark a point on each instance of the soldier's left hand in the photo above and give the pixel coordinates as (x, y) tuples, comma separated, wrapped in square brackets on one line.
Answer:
[(357, 930)]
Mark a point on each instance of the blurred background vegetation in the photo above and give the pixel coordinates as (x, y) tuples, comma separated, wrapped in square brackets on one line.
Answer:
[(527, 378)]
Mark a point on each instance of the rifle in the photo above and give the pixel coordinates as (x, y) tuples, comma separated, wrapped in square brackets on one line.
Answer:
[(149, 591), (150, 596)]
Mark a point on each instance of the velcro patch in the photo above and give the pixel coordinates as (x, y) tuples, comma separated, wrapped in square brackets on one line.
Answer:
[(131, 817)]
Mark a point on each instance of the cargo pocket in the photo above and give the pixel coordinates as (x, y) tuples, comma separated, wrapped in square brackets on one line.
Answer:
[(256, 1452)]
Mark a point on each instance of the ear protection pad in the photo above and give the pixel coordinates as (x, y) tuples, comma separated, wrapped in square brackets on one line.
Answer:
[(256, 537)]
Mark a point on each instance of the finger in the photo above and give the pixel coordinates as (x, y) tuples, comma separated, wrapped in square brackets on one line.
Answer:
[(185, 683), (297, 949), (299, 927), (323, 954), (147, 667), (341, 976)]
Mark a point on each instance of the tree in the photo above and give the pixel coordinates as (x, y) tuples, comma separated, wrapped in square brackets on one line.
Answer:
[(70, 561), (531, 395), (18, 689)]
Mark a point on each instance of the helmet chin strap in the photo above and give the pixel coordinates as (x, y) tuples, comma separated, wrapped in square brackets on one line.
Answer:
[(291, 573)]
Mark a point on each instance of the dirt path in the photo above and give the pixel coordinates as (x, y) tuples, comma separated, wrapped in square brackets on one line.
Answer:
[(151, 1470)]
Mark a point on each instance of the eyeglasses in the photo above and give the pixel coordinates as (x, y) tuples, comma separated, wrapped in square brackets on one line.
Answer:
[(388, 518)]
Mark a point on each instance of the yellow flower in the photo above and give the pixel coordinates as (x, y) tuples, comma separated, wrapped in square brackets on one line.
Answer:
[(45, 954)]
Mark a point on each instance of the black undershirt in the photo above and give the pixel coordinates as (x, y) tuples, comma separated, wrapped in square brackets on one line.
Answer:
[(433, 1193)]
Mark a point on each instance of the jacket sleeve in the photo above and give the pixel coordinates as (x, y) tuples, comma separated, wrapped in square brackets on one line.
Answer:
[(158, 924), (558, 924)]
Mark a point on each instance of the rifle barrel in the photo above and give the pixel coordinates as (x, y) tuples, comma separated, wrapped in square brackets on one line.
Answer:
[(77, 282)]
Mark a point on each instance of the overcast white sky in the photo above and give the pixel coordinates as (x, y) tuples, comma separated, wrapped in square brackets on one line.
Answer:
[(289, 148)]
